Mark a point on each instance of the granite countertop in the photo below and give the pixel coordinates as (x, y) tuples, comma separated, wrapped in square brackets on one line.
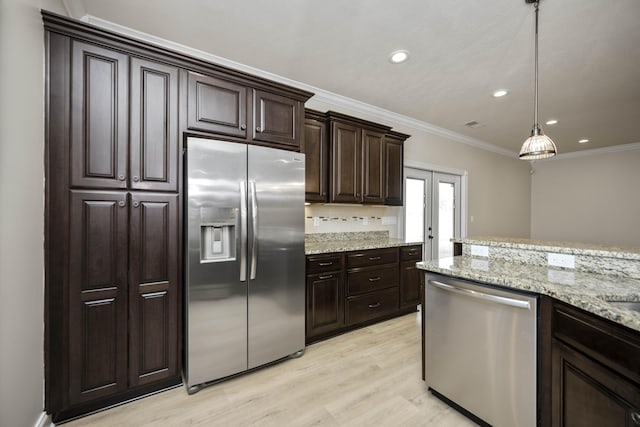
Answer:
[(588, 291), (557, 247), (313, 248)]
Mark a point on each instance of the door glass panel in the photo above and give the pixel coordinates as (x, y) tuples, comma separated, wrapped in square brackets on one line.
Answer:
[(414, 210), (446, 219)]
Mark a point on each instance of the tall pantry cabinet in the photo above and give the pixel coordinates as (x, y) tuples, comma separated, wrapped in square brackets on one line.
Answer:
[(118, 112), (113, 247)]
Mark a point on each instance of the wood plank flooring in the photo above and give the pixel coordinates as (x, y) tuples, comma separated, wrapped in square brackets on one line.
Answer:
[(368, 377)]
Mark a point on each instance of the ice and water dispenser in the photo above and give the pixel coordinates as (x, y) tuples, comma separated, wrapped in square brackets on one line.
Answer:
[(218, 234)]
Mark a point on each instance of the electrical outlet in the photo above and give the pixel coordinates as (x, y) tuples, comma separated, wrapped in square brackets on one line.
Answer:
[(365, 221), (561, 260), (479, 250), (316, 221)]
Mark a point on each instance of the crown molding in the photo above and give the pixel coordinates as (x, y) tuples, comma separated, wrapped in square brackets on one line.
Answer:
[(593, 152), (321, 95)]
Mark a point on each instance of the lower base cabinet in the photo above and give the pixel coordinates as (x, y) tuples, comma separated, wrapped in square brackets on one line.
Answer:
[(595, 371), (353, 289)]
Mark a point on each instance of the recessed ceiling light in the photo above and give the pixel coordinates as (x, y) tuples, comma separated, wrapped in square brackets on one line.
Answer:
[(399, 56), (583, 141), (500, 93), (551, 122)]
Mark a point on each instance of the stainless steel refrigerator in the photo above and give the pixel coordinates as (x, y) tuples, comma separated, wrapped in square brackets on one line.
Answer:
[(245, 284)]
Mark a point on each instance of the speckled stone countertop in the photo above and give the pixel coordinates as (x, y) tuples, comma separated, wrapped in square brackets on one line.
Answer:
[(588, 291), (557, 247), (344, 242)]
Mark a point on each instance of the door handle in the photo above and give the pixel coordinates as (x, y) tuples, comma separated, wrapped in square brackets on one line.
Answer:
[(242, 236), (376, 305), (481, 295), (254, 229)]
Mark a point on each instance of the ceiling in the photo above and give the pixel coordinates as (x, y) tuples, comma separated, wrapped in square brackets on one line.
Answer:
[(461, 52)]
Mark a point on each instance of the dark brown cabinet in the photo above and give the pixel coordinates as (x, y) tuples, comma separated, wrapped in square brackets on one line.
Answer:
[(325, 300), (365, 164), (224, 107), (216, 105), (595, 371), (346, 163), (153, 287), (373, 167), (97, 295), (316, 150), (154, 126), (99, 116), (394, 168), (353, 289), (411, 277)]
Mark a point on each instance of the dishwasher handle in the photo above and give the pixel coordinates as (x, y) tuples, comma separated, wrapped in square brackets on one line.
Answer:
[(481, 295)]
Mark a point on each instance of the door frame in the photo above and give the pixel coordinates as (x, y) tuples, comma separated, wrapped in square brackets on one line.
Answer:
[(435, 169)]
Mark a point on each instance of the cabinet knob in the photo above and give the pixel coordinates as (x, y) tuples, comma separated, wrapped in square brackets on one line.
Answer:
[(243, 127), (258, 129), (635, 416), (136, 179), (121, 203), (136, 203), (121, 177)]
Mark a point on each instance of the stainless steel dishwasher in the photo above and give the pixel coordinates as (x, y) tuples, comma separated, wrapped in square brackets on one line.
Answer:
[(480, 350)]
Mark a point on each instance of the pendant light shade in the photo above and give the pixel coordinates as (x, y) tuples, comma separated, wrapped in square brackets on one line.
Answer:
[(538, 145)]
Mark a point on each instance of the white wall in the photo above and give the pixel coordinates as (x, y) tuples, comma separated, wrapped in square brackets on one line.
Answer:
[(22, 210), (592, 199), (499, 187)]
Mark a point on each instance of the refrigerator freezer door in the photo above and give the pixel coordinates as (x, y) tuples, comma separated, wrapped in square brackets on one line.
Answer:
[(217, 298), (276, 254)]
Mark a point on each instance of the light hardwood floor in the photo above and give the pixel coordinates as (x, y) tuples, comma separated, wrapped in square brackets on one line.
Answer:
[(368, 377)]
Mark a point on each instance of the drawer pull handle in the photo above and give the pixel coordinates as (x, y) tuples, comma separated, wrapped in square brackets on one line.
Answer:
[(635, 416), (325, 264), (376, 305), (325, 277), (374, 279), (374, 258)]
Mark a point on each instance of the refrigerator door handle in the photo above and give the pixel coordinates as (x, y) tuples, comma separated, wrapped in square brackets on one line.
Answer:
[(243, 231), (254, 228)]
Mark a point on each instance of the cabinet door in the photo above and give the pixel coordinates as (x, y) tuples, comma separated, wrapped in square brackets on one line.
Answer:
[(97, 360), (346, 161), (373, 167), (585, 393), (410, 284), (154, 126), (277, 119), (216, 105), (153, 287), (99, 116), (394, 164), (316, 152), (325, 303)]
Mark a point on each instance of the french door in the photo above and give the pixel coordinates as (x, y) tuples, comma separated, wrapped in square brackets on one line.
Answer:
[(432, 210)]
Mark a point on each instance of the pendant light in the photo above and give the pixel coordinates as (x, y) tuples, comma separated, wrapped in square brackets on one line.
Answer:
[(538, 145)]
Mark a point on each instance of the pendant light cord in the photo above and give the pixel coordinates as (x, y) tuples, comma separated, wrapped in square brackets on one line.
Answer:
[(535, 99)]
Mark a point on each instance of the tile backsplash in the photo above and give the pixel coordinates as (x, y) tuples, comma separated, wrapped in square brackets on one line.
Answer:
[(349, 218)]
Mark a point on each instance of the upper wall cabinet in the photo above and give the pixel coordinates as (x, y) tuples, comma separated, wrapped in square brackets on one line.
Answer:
[(316, 150), (365, 160), (124, 121), (221, 106), (393, 168)]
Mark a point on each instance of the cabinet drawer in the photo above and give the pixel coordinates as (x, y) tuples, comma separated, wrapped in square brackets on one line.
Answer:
[(410, 253), (372, 257), (371, 279), (610, 345), (322, 263), (371, 306)]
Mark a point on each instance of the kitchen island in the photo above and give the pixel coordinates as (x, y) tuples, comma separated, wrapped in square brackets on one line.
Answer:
[(588, 334)]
